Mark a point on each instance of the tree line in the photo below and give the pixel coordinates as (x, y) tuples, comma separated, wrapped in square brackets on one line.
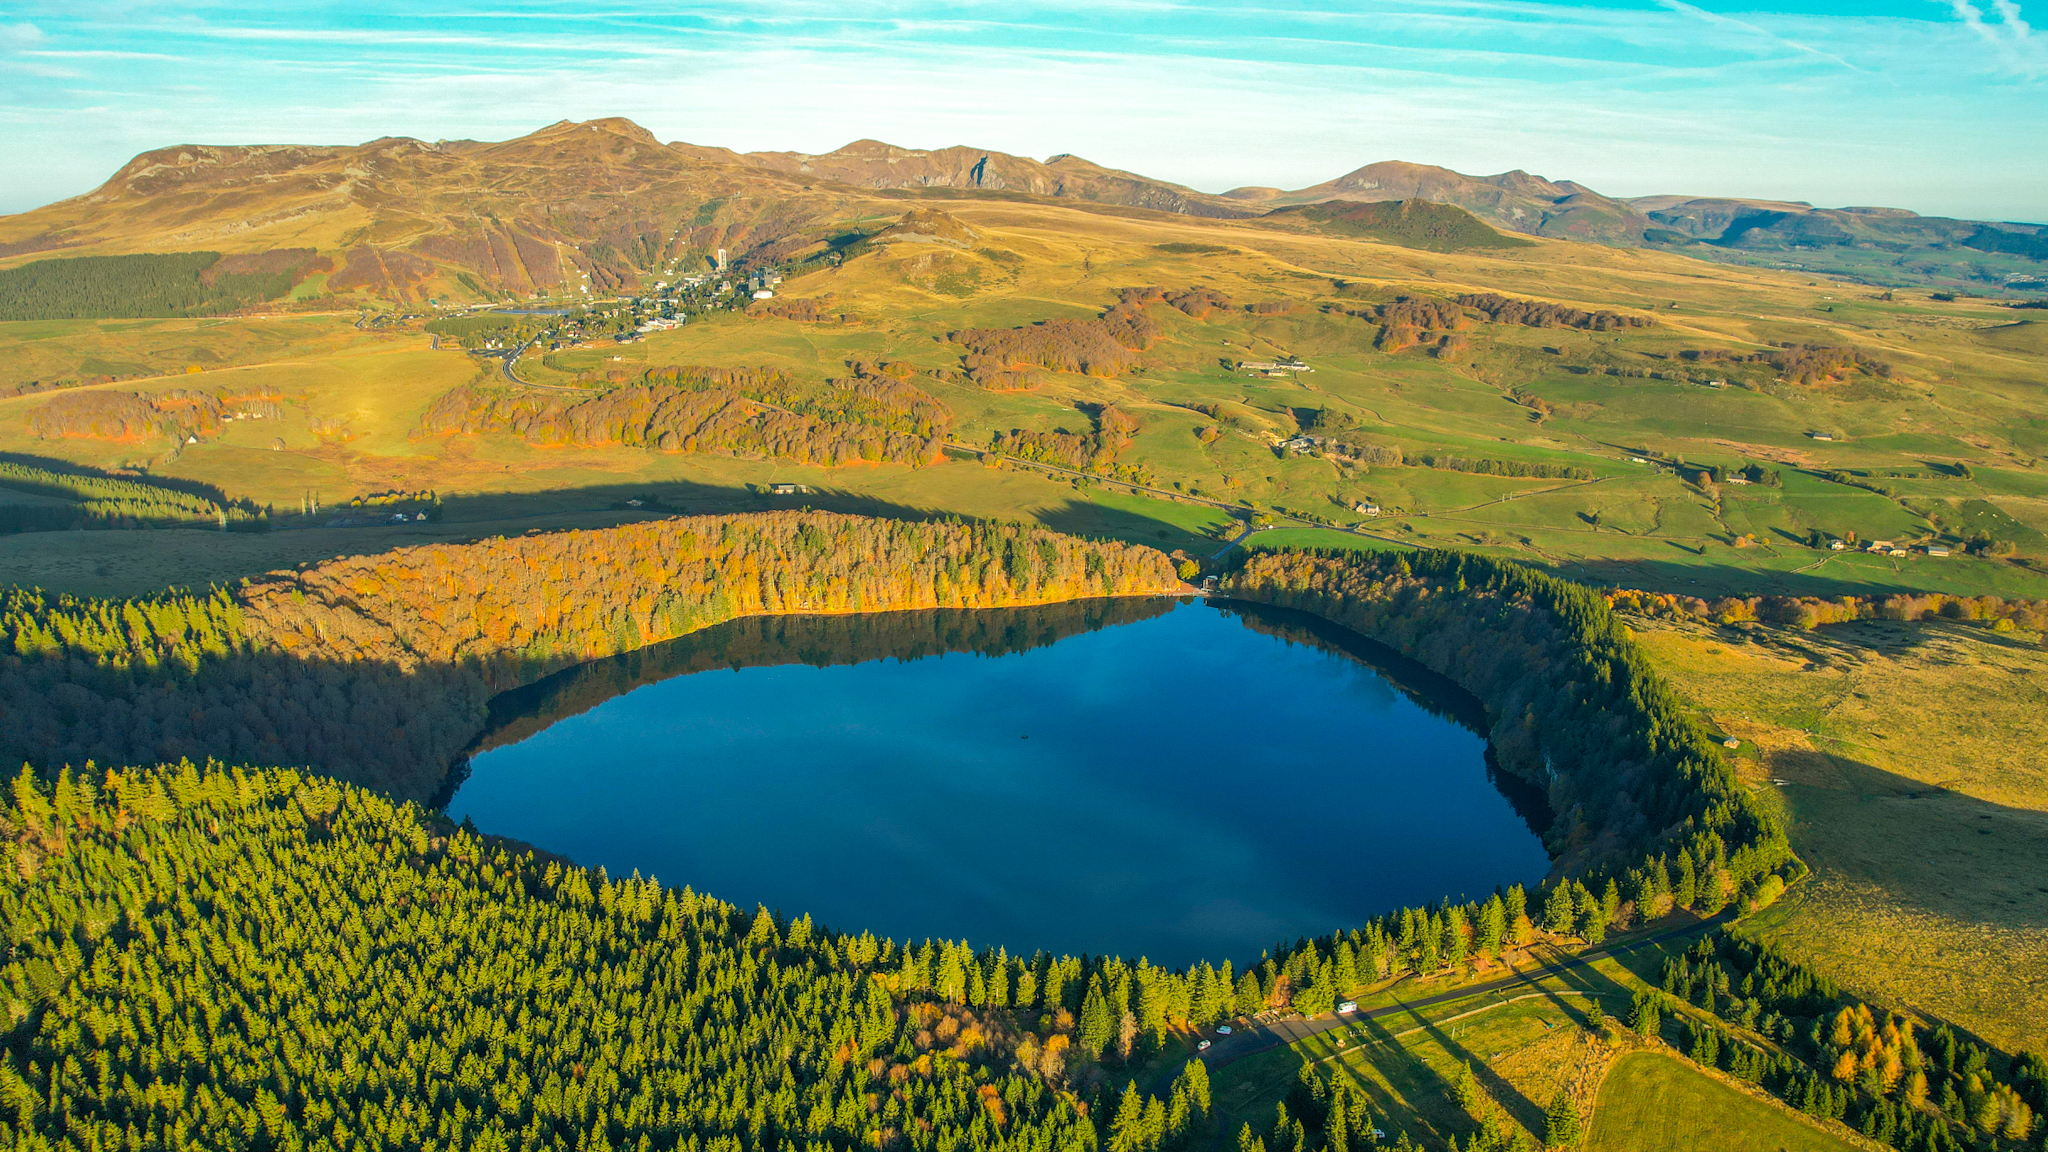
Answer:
[(378, 669), (114, 502), (1770, 1021), (1538, 314), (1799, 363), (1576, 708), (1814, 611)]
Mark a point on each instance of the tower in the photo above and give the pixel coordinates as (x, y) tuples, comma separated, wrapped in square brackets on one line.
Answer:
[(721, 261)]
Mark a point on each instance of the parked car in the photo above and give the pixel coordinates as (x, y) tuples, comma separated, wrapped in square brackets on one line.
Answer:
[(1203, 1046), (1223, 1029)]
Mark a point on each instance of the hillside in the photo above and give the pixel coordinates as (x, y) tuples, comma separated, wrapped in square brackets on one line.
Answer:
[(1410, 223), (600, 203)]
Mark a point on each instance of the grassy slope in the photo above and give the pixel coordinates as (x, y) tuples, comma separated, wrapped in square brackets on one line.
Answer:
[(1911, 756), (1969, 394), (1656, 1103), (1526, 1044)]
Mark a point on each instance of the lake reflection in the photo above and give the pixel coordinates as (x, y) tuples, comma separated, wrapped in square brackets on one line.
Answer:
[(1141, 777)]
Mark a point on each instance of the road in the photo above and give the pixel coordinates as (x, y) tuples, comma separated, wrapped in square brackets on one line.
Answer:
[(1252, 1039), (505, 357), (1235, 541)]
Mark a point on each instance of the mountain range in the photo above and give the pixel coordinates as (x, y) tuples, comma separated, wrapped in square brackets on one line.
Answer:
[(605, 202)]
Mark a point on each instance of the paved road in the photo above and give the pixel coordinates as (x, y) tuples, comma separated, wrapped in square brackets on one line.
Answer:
[(1235, 541), (1252, 1039)]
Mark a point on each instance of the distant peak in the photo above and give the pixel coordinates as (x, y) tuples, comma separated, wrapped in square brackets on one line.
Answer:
[(616, 125)]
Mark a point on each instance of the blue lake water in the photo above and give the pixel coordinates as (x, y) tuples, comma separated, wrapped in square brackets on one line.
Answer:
[(1173, 780)]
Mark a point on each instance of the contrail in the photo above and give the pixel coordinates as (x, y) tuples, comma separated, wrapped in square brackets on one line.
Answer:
[(1717, 18)]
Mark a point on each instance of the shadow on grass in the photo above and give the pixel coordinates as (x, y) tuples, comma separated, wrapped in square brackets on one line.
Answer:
[(1708, 579), (1924, 846), (1519, 1108)]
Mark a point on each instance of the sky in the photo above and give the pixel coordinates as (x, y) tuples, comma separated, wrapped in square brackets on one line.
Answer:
[(1940, 106)]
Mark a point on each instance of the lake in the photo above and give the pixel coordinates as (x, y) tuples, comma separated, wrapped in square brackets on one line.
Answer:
[(1144, 777)]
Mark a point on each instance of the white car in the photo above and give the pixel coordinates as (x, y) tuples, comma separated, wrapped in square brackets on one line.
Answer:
[(1223, 1029), (1202, 1047)]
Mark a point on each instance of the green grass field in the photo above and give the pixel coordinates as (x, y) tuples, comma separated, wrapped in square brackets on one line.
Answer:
[(1653, 1102)]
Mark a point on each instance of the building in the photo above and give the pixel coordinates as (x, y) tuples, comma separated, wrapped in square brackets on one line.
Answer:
[(788, 489), (1937, 550), (1878, 546), (1837, 546), (1366, 508), (764, 294), (721, 261), (1822, 435), (1274, 367)]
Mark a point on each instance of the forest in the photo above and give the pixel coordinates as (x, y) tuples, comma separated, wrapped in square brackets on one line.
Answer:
[(377, 669), (113, 502), (171, 284), (248, 958), (176, 413)]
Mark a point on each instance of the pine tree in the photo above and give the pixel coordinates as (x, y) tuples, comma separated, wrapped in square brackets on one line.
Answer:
[(1127, 1128), (1098, 1023), (1644, 1018), (1561, 1122)]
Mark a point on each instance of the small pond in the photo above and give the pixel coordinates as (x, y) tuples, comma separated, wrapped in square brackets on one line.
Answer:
[(1172, 779)]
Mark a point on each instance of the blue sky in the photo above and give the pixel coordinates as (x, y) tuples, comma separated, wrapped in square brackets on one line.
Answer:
[(1935, 105)]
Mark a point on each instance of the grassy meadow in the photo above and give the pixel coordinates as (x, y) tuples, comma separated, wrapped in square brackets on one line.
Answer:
[(1908, 757), (1526, 1044), (1652, 1102), (1965, 391)]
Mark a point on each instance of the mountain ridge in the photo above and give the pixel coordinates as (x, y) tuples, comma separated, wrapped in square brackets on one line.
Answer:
[(606, 202)]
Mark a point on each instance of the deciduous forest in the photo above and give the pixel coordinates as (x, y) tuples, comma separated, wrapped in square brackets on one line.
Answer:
[(377, 669)]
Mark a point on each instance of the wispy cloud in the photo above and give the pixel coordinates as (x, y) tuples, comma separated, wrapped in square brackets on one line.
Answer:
[(1670, 95)]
